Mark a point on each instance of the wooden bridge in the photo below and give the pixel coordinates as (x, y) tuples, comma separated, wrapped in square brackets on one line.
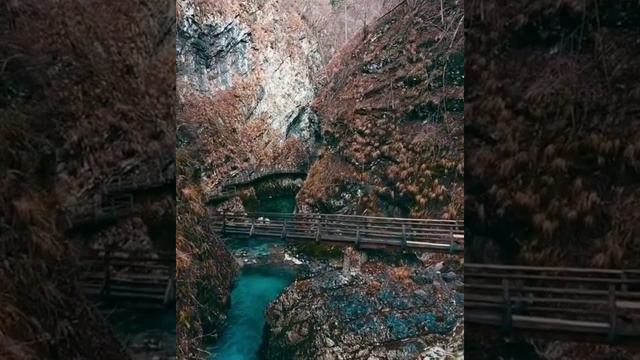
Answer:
[(116, 199), (598, 303), (110, 208), (138, 182), (360, 231), (121, 278)]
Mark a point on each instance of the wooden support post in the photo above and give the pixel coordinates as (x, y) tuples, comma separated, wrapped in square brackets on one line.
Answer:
[(624, 286), (253, 226), (404, 238), (358, 238), (318, 225), (613, 313), (451, 242), (224, 222), (507, 320), (284, 230)]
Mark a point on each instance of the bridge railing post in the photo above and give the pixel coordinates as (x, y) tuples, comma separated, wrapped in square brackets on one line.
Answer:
[(358, 237), (284, 230), (451, 245), (224, 222), (253, 226), (318, 225), (507, 320), (613, 313), (169, 292), (107, 275), (404, 238)]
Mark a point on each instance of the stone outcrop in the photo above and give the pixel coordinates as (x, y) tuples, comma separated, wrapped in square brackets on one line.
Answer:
[(263, 47), (369, 310)]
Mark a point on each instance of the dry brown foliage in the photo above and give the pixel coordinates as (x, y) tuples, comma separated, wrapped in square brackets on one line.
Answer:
[(387, 118), (552, 130), (80, 99)]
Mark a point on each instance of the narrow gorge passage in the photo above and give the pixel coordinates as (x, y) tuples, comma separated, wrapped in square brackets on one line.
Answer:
[(283, 111), (255, 289), (263, 277)]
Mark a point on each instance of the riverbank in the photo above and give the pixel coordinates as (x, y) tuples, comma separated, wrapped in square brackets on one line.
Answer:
[(296, 301)]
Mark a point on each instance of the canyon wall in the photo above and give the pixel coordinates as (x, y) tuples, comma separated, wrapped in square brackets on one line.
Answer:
[(391, 117), (245, 73)]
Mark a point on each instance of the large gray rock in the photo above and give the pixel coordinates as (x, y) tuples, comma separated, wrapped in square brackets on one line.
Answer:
[(376, 313), (259, 47)]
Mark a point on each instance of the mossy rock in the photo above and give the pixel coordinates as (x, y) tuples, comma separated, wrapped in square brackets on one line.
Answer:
[(375, 67), (411, 81), (454, 105), (427, 44), (455, 69), (318, 251), (425, 112), (452, 65)]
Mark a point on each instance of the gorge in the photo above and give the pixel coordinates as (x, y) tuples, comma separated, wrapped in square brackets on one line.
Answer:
[(374, 117)]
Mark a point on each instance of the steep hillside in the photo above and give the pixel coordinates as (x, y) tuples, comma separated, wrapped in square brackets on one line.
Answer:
[(553, 149), (257, 52), (552, 134), (391, 119), (75, 111)]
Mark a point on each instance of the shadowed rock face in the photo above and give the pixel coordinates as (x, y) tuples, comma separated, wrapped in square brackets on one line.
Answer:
[(376, 312)]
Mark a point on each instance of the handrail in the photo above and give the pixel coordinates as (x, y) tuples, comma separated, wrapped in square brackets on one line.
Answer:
[(153, 281), (254, 214), (137, 181), (553, 298), (361, 231)]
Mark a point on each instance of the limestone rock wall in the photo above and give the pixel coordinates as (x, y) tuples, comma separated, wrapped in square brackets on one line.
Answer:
[(263, 47)]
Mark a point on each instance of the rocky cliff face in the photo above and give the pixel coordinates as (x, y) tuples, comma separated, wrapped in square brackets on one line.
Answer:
[(261, 48), (245, 73), (391, 119)]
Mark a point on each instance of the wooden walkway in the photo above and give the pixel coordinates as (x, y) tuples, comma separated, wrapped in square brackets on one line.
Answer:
[(138, 182), (116, 199), (604, 303), (360, 231), (231, 187), (143, 281), (254, 175), (111, 208)]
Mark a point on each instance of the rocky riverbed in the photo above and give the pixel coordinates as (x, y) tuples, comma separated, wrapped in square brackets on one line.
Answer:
[(369, 309)]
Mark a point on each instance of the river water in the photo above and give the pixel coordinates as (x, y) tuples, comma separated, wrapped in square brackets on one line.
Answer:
[(255, 289)]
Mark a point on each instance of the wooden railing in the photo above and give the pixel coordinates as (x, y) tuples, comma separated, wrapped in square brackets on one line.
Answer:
[(136, 182), (116, 197), (570, 300), (254, 175), (124, 278), (111, 208), (361, 231)]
